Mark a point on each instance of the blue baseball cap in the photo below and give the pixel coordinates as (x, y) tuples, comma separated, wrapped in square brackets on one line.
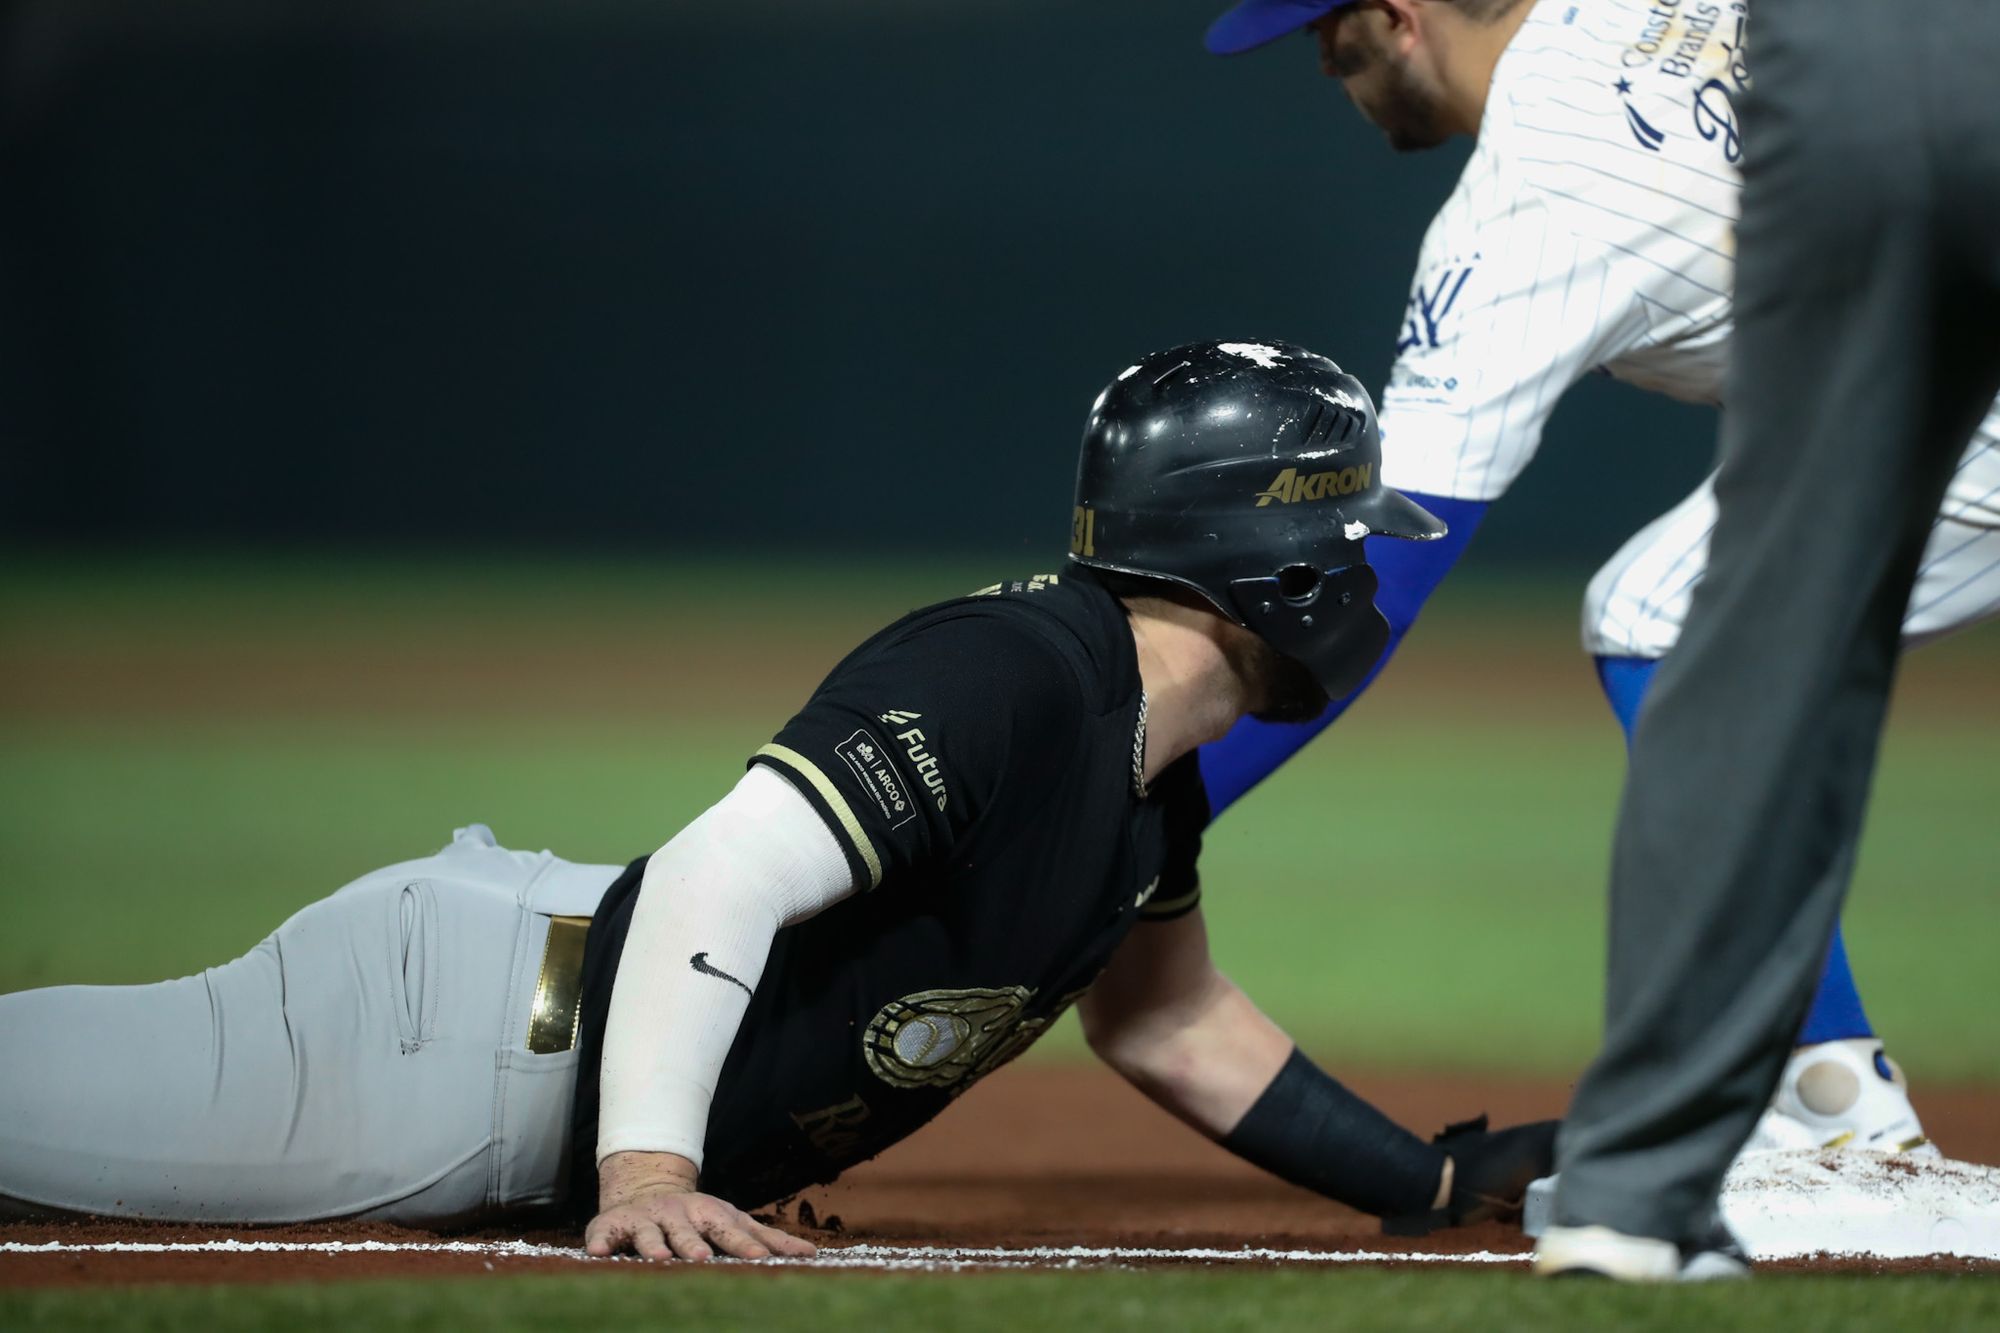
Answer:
[(1255, 22)]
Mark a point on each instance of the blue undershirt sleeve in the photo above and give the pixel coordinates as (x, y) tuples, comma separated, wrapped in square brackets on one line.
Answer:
[(1837, 1012), (1625, 681), (1408, 572)]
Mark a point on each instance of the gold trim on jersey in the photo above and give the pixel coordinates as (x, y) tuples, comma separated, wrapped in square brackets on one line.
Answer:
[(808, 770), (558, 1009), (1162, 906)]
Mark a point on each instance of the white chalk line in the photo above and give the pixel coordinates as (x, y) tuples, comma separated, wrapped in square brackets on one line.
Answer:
[(884, 1257)]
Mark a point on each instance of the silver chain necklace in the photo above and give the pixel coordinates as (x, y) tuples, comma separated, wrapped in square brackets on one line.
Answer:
[(1139, 751)]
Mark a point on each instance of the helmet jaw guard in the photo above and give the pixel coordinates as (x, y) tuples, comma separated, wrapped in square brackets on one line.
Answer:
[(1325, 620), (1247, 472)]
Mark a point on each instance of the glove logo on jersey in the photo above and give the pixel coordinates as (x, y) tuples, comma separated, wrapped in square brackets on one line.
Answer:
[(948, 1038)]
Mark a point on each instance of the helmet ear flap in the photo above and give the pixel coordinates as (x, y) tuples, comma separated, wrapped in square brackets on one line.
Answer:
[(1334, 629), (1299, 585)]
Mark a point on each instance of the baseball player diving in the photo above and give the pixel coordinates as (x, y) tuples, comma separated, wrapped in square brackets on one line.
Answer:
[(1592, 229), (988, 812)]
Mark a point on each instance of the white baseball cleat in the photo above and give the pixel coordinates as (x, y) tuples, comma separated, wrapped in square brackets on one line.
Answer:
[(1836, 1094), (1841, 1094), (1602, 1252)]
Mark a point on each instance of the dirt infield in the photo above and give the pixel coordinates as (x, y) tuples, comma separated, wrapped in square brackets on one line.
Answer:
[(1035, 1160)]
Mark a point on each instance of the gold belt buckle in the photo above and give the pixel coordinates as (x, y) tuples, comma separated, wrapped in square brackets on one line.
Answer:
[(558, 1011)]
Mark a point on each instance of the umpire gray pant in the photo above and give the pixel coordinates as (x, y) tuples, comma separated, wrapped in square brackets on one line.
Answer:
[(367, 1060), (1867, 347)]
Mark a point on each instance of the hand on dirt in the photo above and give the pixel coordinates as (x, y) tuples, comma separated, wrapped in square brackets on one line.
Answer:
[(1495, 1167), (648, 1204)]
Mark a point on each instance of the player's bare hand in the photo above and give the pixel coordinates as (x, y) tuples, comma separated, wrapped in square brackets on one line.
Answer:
[(648, 1204)]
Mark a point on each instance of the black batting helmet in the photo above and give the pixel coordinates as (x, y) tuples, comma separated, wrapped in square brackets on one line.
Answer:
[(1248, 472)]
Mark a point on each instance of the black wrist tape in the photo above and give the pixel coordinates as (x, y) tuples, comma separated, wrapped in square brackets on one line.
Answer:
[(1308, 1129)]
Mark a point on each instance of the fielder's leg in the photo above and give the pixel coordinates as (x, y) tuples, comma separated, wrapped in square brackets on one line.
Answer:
[(1864, 359), (1836, 1013), (1839, 1087)]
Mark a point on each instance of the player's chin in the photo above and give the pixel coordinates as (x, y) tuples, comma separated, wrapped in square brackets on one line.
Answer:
[(1396, 105), (1416, 141), (1290, 693), (1280, 688), (1293, 710)]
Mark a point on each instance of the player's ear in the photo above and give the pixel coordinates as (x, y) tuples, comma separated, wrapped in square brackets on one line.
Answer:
[(1403, 24)]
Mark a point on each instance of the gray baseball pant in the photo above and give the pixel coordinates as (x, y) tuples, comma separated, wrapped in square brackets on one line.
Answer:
[(1867, 347), (366, 1060)]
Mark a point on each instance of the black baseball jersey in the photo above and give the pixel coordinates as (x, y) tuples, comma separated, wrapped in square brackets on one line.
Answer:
[(975, 760)]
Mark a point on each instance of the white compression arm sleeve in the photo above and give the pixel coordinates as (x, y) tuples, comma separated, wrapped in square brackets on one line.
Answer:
[(709, 904)]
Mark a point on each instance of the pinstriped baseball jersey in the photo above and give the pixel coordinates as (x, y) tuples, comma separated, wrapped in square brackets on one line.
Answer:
[(1637, 602), (1594, 229)]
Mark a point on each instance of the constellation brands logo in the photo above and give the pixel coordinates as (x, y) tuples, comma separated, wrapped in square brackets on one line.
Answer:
[(1292, 486)]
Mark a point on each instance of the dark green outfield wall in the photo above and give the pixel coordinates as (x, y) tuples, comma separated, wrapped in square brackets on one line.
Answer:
[(695, 276)]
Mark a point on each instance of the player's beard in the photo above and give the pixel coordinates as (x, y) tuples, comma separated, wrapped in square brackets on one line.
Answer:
[(1281, 688), (1393, 95)]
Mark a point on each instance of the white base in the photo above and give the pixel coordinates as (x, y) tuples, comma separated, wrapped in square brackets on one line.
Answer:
[(1788, 1205)]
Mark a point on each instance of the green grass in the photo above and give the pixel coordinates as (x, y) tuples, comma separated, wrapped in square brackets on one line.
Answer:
[(1357, 1301), (191, 750), (188, 844), (1453, 912)]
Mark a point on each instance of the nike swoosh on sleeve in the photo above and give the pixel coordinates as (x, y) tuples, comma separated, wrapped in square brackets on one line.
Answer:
[(700, 964)]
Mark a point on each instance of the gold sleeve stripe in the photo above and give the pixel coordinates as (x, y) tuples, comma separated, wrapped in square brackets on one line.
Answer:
[(829, 793), (1160, 906)]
